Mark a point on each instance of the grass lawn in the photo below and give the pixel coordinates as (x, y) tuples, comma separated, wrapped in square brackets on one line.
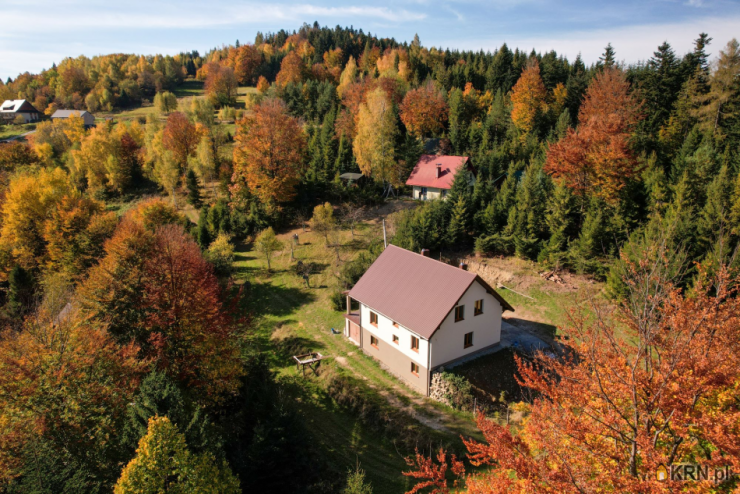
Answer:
[(188, 89), (10, 131), (290, 319)]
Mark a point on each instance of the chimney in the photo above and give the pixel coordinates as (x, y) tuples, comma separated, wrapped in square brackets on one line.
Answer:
[(463, 266), (425, 252), (439, 169)]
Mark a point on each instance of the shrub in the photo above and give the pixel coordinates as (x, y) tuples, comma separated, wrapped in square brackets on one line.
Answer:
[(221, 254)]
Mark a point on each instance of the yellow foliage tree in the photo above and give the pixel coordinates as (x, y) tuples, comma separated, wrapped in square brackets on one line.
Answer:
[(349, 74), (376, 131), (528, 98), (163, 463), (323, 221), (29, 201)]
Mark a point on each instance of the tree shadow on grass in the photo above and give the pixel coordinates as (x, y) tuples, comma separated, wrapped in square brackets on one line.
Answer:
[(263, 299)]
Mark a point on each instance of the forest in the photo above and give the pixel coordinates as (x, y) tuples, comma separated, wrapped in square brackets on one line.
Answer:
[(130, 358)]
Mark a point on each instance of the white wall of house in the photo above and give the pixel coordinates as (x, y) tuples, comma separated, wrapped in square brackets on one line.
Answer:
[(386, 330), (448, 341), (432, 193), (27, 117)]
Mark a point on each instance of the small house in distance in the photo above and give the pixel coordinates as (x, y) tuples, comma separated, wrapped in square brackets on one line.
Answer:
[(12, 108), (433, 175), (417, 314), (86, 116)]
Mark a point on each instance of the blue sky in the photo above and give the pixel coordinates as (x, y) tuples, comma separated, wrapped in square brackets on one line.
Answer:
[(36, 33)]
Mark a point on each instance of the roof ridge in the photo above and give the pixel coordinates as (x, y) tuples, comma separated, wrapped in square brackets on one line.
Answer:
[(432, 259)]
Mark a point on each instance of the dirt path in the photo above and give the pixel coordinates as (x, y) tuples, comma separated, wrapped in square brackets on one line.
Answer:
[(431, 418)]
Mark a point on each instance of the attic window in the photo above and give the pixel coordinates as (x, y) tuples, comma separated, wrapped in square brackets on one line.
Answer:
[(478, 307), (459, 313)]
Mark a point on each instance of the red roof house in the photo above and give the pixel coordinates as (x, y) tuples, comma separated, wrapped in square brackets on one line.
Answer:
[(432, 176)]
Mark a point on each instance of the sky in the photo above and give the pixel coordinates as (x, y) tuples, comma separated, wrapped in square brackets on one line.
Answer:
[(36, 33)]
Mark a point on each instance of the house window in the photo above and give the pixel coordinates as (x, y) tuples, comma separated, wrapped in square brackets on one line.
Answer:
[(415, 369), (374, 319), (415, 344), (395, 324), (423, 193), (459, 313), (444, 193), (478, 307), (374, 341), (395, 339), (468, 340)]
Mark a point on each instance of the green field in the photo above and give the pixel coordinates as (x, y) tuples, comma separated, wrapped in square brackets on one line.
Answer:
[(10, 131)]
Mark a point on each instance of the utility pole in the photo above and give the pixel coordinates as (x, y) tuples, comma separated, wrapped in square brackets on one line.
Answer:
[(385, 241)]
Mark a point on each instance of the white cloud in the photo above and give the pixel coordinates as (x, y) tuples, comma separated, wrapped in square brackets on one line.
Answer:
[(47, 20), (632, 43)]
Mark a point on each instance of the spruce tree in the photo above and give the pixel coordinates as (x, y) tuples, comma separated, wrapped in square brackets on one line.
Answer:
[(559, 218), (714, 219), (193, 186), (20, 292), (204, 237), (608, 58), (458, 228)]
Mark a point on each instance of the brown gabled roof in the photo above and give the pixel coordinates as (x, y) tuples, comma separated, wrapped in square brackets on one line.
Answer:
[(415, 291)]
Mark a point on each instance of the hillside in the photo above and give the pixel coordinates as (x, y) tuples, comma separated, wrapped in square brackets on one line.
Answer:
[(153, 293)]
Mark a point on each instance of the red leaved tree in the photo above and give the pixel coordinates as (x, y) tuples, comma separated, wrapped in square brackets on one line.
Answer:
[(597, 157), (653, 384), (190, 333), (153, 287)]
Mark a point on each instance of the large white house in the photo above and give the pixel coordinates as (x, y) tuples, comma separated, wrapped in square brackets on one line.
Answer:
[(12, 108), (417, 314)]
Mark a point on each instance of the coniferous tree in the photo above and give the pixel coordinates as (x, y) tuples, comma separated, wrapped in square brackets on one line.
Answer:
[(607, 59), (193, 186), (204, 237), (458, 227), (20, 292)]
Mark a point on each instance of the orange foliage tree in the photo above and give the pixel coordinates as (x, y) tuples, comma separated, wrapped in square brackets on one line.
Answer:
[(269, 153), (424, 110), (292, 69), (180, 137), (262, 84), (221, 84), (597, 157), (654, 384), (64, 383), (528, 98), (244, 61)]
